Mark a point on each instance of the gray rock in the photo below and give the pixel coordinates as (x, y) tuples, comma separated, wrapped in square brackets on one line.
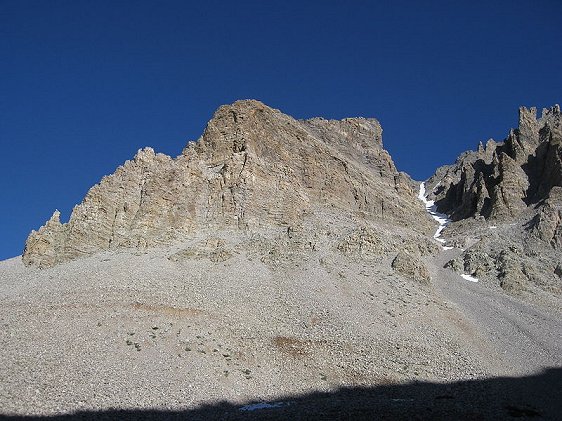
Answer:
[(547, 224), (511, 276), (364, 243), (499, 180), (213, 249), (411, 267), (504, 198), (253, 167), (558, 270)]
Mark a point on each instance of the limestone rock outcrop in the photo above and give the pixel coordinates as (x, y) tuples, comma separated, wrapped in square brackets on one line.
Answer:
[(410, 266), (501, 179), (253, 167), (506, 203), (547, 224)]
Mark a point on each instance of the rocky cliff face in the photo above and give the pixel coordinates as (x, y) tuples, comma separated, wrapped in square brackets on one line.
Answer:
[(506, 201), (501, 180), (253, 167)]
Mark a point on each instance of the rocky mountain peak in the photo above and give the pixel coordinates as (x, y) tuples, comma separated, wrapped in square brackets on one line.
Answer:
[(253, 168), (503, 178), (514, 188)]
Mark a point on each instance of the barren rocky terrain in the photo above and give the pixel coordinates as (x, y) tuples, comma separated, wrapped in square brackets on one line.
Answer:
[(285, 268)]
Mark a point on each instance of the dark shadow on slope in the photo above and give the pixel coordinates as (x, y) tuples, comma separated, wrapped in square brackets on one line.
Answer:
[(538, 396)]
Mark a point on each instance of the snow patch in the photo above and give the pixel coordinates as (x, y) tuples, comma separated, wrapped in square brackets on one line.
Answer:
[(469, 278), (262, 405), (492, 227), (441, 218)]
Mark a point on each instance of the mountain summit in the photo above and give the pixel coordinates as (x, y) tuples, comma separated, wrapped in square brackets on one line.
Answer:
[(253, 168), (506, 203), (287, 267)]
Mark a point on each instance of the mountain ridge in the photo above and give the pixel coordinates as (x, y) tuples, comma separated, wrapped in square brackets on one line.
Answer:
[(505, 200), (256, 169), (223, 180), (260, 264)]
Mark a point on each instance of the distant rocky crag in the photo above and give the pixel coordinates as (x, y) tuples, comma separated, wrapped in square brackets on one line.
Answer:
[(502, 179), (254, 168), (506, 201)]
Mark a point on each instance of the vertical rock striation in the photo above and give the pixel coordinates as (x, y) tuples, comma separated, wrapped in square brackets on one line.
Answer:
[(516, 186), (253, 167), (500, 180)]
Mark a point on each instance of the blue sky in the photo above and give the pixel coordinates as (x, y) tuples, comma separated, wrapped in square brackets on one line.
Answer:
[(84, 84)]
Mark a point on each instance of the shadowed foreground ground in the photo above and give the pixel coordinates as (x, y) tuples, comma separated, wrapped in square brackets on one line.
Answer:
[(538, 396)]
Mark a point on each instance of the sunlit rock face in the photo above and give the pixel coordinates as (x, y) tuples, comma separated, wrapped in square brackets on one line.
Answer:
[(253, 168)]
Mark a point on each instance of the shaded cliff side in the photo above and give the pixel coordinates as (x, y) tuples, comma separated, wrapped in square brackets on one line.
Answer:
[(506, 203)]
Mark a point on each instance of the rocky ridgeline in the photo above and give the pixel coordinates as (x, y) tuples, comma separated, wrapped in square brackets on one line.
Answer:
[(502, 179), (254, 168), (506, 201)]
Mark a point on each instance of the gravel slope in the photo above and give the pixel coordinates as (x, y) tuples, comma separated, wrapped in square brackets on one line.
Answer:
[(130, 331), (524, 333)]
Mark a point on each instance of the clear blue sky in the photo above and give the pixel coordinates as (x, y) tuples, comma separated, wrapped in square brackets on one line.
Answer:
[(84, 84)]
